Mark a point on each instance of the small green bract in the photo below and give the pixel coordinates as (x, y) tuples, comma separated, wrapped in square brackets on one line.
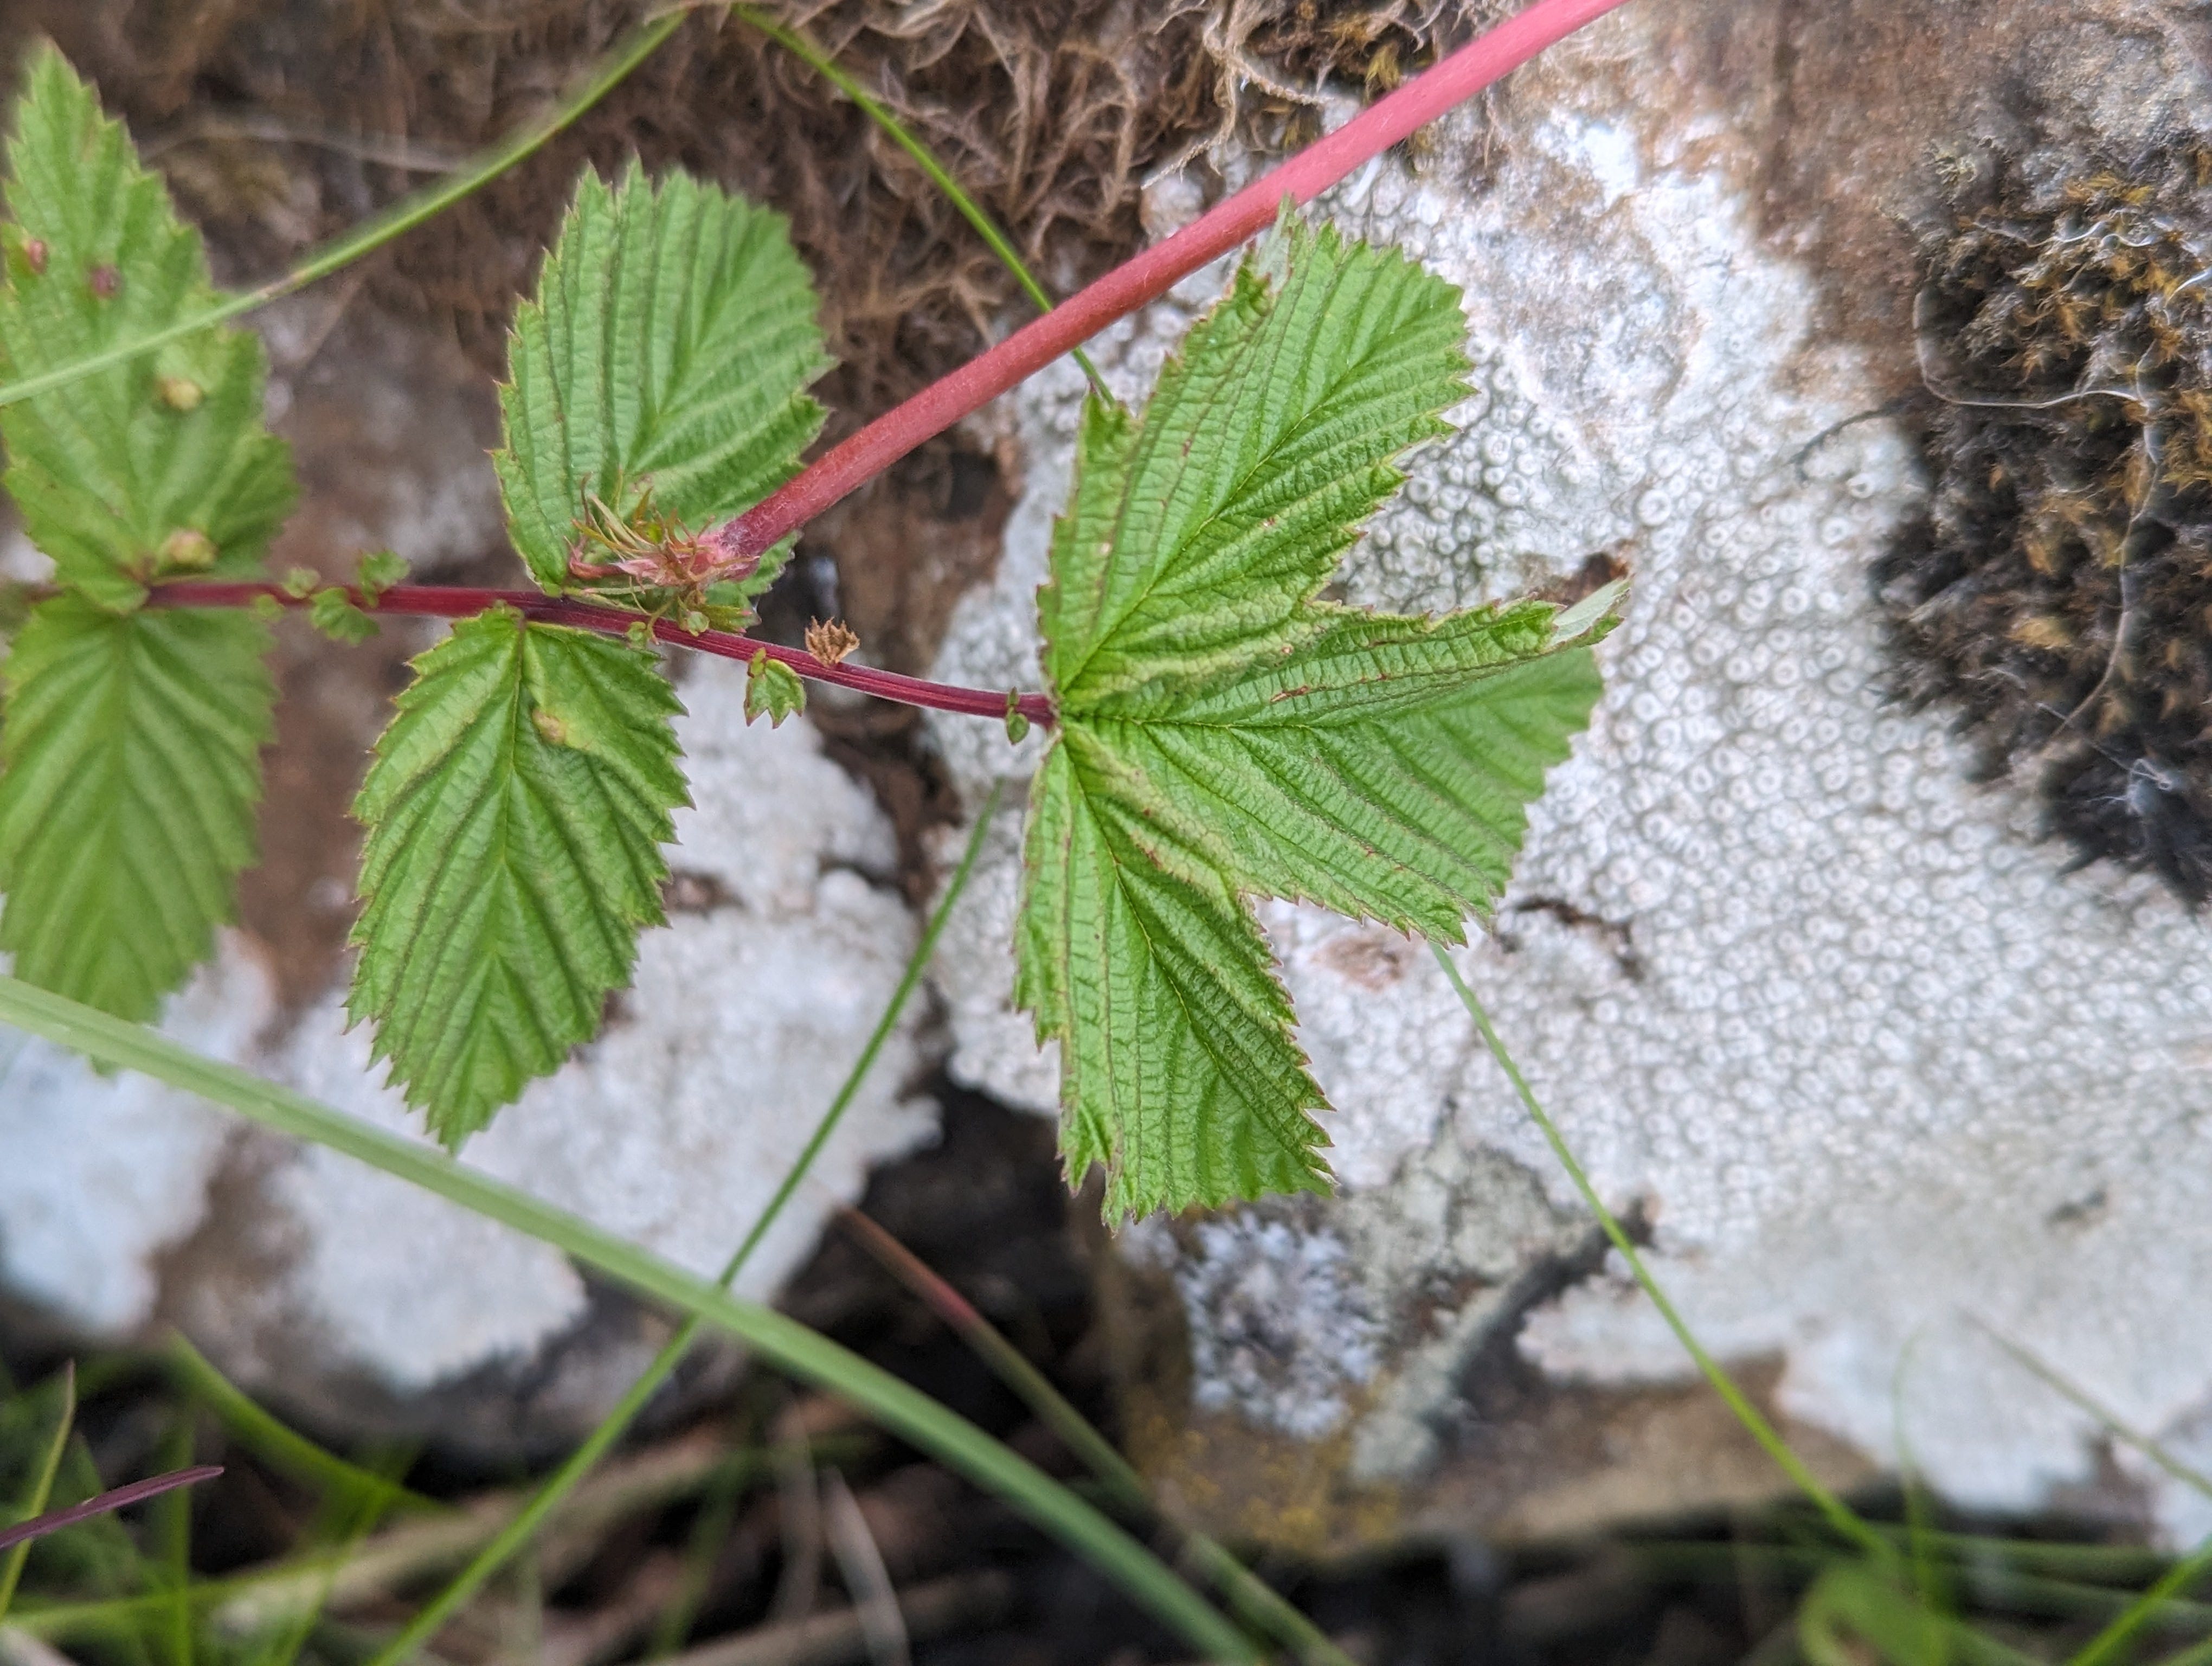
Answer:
[(772, 690), (332, 612)]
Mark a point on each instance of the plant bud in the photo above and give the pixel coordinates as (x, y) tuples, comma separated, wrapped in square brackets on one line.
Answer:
[(187, 549)]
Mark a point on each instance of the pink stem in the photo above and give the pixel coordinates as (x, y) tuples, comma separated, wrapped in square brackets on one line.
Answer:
[(136, 1492), (1147, 276), (443, 601)]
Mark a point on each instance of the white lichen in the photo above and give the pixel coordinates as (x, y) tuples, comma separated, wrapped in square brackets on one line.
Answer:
[(1873, 1064), (673, 1130), (104, 1171)]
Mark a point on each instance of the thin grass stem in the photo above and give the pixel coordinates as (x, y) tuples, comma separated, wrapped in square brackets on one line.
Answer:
[(1840, 1516), (792, 41), (2194, 1479), (120, 1497), (2145, 1608), (42, 1489), (629, 50)]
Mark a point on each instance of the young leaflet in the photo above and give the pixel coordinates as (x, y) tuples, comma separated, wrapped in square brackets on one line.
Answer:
[(1223, 734), (130, 752)]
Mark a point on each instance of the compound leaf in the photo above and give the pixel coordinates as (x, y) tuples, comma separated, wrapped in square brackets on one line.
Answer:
[(666, 351), (157, 465), (515, 811), (1197, 535), (129, 768), (1223, 734)]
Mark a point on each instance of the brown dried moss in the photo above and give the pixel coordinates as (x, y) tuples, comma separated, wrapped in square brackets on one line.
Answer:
[(2059, 592)]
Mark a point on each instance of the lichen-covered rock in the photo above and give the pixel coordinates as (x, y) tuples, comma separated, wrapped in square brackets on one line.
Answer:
[(311, 1276), (1886, 1082), (105, 1171)]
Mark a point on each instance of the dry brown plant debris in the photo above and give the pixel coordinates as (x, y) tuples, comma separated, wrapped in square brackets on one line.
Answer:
[(279, 122)]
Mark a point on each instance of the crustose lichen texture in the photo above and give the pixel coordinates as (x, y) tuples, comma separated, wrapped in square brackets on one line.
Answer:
[(1788, 976), (2058, 592)]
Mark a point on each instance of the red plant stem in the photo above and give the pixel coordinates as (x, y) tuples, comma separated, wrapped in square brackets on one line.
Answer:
[(1148, 276), (136, 1492), (945, 402), (449, 601)]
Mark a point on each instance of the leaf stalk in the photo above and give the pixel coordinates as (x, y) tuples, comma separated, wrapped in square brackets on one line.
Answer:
[(448, 601)]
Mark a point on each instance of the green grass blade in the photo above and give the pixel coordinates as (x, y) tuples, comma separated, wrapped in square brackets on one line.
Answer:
[(42, 1488), (171, 1524), (2140, 1613), (404, 215), (1254, 1600), (783, 1341), (283, 1449), (1840, 1516), (924, 158), (524, 1527), (2196, 1479)]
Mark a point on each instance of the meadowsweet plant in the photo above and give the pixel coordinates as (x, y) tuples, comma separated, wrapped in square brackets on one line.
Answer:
[(1218, 732)]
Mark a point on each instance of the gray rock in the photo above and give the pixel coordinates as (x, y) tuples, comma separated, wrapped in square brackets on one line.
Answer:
[(1884, 1080), (672, 1130)]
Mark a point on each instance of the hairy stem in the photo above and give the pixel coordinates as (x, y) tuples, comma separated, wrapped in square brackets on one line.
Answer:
[(1149, 274), (448, 601)]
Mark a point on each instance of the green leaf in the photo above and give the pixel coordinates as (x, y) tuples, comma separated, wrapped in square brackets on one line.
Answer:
[(158, 465), (1196, 535), (332, 612), (515, 811), (773, 690), (129, 768), (665, 352), (378, 571), (1224, 734)]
